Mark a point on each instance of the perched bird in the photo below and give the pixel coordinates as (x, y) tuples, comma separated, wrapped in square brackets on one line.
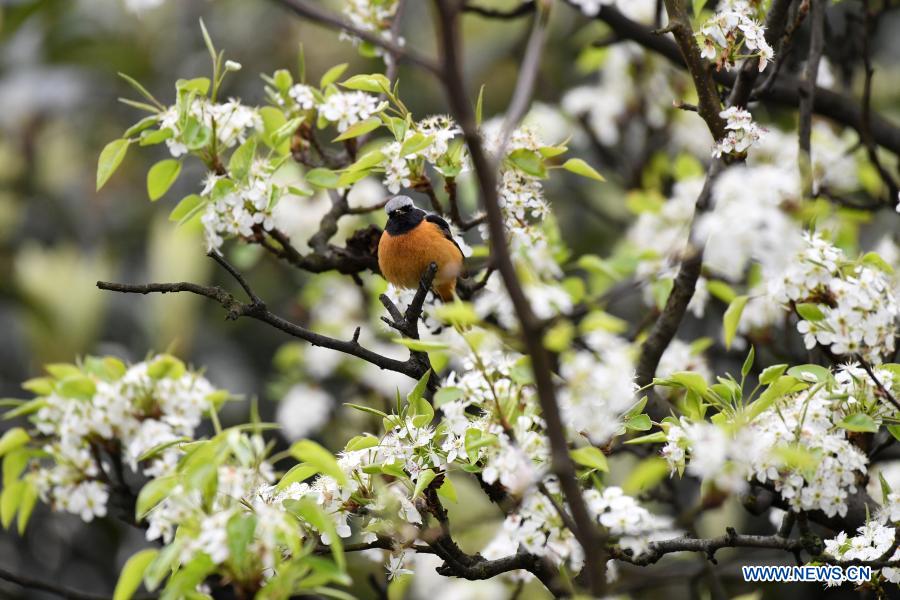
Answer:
[(412, 240)]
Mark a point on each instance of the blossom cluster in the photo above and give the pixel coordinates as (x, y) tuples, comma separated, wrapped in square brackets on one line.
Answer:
[(799, 445), (105, 404), (238, 208), (599, 388), (537, 526), (742, 132), (375, 16), (873, 541), (848, 307), (733, 33), (191, 121)]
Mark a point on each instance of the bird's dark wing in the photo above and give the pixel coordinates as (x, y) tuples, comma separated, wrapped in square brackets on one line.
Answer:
[(445, 228)]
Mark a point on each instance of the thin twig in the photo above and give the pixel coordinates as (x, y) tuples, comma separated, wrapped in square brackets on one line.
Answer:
[(324, 17)]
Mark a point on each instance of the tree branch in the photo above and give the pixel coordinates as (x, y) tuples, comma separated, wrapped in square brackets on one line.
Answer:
[(34, 584), (531, 328), (833, 105), (413, 367), (328, 19)]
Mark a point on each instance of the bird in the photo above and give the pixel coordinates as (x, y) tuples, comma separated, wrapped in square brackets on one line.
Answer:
[(411, 241)]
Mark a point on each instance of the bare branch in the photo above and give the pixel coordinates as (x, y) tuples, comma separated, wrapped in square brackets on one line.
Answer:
[(521, 10), (807, 89), (531, 327), (414, 367)]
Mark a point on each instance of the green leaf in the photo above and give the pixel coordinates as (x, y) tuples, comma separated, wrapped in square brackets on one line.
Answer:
[(195, 134), (457, 313), (296, 474), (809, 311), (315, 455), (13, 438), (110, 158), (14, 463), (579, 167), (859, 422), (697, 6), (782, 386), (332, 74), (732, 318), (307, 509), (894, 430), (648, 473), (447, 394), (873, 259), (811, 373), (141, 126), (447, 489), (691, 381), (721, 290), (240, 530), (358, 129), (424, 480), (748, 362), (418, 392), (187, 208), (133, 573), (161, 176), (558, 337), (590, 457), (152, 137), (415, 143), (9, 502), (152, 494), (361, 442), (322, 177), (421, 345), (162, 566), (638, 423), (375, 83), (770, 374), (26, 505), (479, 106), (475, 440), (528, 161), (658, 437), (241, 159), (273, 119), (198, 85), (166, 366), (366, 161)]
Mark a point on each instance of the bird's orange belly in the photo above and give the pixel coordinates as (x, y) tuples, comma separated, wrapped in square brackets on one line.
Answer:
[(404, 258)]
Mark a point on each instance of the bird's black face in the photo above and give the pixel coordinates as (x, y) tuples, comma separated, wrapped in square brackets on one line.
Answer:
[(403, 219)]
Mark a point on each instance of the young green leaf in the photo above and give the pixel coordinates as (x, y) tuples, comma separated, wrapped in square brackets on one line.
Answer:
[(187, 208), (732, 318), (110, 158), (133, 573), (579, 167), (358, 129), (332, 74), (161, 176), (315, 455), (590, 457), (13, 438), (810, 312)]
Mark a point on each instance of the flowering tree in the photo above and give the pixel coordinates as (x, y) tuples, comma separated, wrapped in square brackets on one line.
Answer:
[(600, 435)]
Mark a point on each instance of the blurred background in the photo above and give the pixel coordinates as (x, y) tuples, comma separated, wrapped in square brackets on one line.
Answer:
[(58, 107)]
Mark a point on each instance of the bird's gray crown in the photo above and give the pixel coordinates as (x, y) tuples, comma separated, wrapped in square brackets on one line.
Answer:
[(397, 202)]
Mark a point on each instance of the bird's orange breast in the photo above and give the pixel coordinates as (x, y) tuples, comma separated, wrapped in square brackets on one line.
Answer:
[(404, 258)]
